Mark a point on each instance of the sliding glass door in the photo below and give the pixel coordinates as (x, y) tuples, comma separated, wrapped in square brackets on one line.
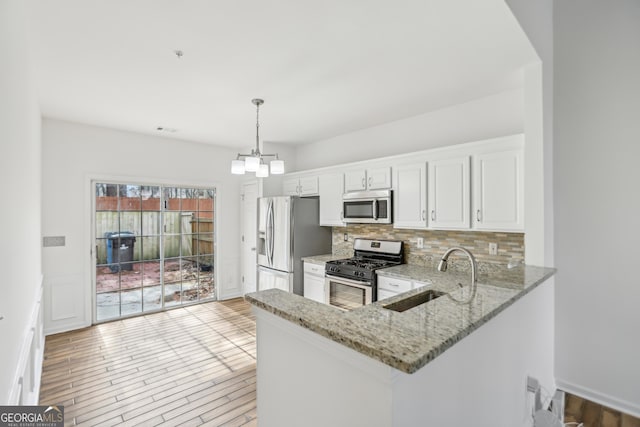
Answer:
[(154, 248)]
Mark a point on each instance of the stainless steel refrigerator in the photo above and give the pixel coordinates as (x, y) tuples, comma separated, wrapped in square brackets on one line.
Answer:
[(287, 231)]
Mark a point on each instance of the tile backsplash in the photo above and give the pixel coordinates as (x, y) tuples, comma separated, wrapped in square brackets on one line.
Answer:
[(436, 242)]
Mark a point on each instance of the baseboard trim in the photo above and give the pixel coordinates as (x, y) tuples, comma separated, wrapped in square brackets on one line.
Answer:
[(621, 405)]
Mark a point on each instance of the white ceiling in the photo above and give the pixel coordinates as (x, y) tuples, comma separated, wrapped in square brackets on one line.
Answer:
[(324, 67)]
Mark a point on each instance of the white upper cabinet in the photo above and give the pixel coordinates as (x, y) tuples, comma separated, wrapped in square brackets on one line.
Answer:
[(410, 196), (498, 190), (367, 179), (300, 186), (449, 193), (331, 188)]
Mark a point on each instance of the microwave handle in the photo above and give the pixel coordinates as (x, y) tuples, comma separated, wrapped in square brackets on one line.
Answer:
[(375, 209)]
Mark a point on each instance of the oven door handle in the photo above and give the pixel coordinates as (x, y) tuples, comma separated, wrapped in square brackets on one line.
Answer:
[(356, 283)]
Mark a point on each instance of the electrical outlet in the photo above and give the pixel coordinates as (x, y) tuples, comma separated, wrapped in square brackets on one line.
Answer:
[(493, 249), (346, 237), (420, 242)]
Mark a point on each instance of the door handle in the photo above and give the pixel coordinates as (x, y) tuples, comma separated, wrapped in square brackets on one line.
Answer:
[(433, 214)]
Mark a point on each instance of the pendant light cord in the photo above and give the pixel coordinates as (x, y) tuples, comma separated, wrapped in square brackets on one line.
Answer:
[(258, 128)]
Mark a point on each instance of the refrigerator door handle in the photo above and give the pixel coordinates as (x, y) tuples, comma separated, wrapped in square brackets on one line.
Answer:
[(271, 237), (267, 234)]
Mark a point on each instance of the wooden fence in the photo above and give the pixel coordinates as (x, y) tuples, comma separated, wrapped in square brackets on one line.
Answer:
[(146, 226)]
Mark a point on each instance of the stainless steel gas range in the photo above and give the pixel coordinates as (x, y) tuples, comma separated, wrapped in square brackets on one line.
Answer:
[(351, 283)]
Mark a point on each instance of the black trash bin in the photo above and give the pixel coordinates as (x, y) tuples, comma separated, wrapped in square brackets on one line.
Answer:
[(120, 250)]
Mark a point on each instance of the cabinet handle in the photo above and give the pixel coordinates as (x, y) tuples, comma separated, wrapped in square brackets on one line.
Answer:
[(424, 214), (370, 181), (395, 285), (341, 215), (433, 214), (364, 183), (478, 215)]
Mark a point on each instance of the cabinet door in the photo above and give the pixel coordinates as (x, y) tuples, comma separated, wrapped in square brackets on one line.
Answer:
[(331, 188), (355, 180), (379, 178), (410, 206), (291, 186), (449, 195), (314, 288), (393, 284), (309, 186), (498, 191), (384, 294)]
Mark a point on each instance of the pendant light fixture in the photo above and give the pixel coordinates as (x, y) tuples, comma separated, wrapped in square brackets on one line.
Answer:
[(255, 162)]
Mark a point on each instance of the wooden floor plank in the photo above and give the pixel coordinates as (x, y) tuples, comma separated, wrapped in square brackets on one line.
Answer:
[(188, 366)]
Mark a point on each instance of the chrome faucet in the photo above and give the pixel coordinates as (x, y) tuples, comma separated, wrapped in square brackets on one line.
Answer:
[(442, 266)]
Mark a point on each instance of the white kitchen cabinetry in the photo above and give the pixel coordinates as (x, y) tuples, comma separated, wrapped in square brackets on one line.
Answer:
[(391, 286), (331, 188), (410, 196), (449, 194), (498, 191), (314, 282), (300, 186), (367, 179)]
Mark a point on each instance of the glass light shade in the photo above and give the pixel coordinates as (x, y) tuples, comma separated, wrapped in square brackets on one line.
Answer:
[(263, 171), (237, 167), (251, 164), (277, 167)]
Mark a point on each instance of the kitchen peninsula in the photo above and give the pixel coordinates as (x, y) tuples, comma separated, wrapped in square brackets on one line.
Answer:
[(440, 363)]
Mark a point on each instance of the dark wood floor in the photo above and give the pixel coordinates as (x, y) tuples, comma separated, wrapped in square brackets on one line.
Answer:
[(189, 366), (591, 414)]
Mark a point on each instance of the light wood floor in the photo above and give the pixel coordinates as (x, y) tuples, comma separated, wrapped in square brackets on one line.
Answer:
[(189, 366)]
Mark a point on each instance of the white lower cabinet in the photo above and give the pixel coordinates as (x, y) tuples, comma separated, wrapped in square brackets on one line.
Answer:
[(314, 282), (391, 286)]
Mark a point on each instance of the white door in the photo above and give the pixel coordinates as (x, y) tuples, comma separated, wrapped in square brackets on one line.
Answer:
[(449, 195), (249, 235), (379, 178), (410, 210), (498, 194), (331, 190), (355, 180)]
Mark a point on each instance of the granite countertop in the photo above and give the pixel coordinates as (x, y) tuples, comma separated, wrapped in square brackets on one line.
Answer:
[(321, 259), (409, 340)]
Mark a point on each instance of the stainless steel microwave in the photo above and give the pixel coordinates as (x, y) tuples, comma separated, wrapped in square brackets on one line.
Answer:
[(368, 207)]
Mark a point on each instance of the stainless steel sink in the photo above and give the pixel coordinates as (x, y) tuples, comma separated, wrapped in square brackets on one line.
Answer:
[(413, 301)]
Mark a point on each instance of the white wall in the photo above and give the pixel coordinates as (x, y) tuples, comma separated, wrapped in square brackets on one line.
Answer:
[(536, 19), (20, 212), (72, 154), (596, 175), (489, 117)]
